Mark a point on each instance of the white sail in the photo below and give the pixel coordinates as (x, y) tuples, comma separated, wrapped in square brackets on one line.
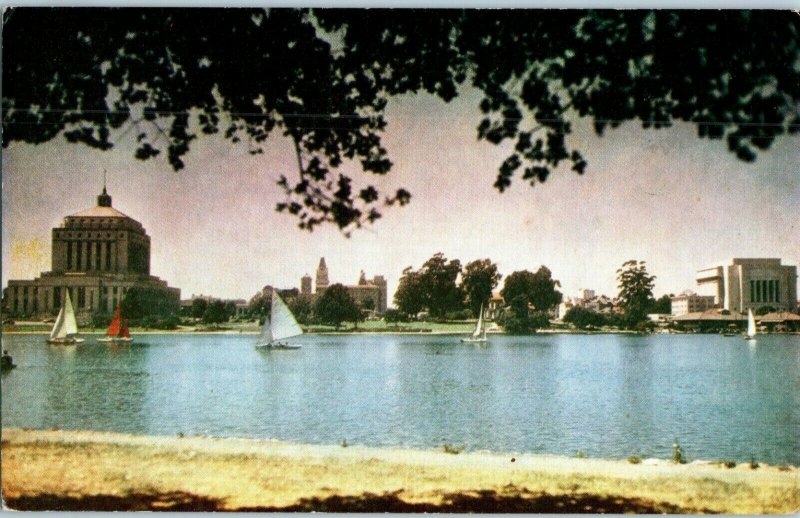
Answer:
[(70, 325), (266, 333), (282, 323), (479, 335), (751, 323), (58, 328), (66, 328), (479, 327)]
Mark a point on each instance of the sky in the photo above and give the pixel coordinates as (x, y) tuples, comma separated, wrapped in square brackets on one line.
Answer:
[(663, 196)]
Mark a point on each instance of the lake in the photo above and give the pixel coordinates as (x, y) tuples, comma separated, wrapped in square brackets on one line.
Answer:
[(606, 396)]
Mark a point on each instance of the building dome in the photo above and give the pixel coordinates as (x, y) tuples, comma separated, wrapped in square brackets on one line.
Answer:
[(101, 216)]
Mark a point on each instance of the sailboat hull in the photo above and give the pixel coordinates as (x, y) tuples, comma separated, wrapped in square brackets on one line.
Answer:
[(65, 341), (474, 340), (277, 346)]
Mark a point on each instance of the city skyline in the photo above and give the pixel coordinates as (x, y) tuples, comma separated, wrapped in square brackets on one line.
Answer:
[(662, 196)]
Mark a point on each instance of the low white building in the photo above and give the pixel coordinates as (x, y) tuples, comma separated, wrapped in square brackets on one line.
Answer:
[(689, 302)]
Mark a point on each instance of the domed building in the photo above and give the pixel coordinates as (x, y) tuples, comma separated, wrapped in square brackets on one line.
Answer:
[(98, 254)]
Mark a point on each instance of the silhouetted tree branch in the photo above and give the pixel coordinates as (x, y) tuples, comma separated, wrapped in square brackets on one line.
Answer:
[(323, 77)]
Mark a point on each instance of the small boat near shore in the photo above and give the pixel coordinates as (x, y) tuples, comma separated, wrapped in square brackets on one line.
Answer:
[(117, 332), (65, 329), (479, 335), (279, 325), (751, 326)]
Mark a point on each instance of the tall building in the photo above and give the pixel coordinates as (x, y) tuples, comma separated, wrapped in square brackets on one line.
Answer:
[(368, 293), (322, 275), (752, 283), (97, 255), (305, 285)]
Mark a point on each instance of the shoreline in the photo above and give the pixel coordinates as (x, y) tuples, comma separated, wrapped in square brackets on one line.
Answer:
[(89, 470), (373, 332)]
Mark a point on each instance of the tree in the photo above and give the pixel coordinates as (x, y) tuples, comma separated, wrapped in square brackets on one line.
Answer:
[(582, 318), (543, 293), (538, 289), (301, 307), (393, 316), (140, 302), (216, 312), (518, 324), (516, 290), (335, 306), (438, 277), (368, 304), (410, 294), (522, 289), (199, 307), (260, 304), (174, 75), (662, 305), (635, 291), (478, 280)]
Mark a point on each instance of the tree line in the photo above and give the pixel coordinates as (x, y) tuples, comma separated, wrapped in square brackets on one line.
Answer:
[(445, 290), (333, 306), (635, 299), (442, 288)]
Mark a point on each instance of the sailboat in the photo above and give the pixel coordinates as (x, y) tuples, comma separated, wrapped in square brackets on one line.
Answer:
[(66, 328), (751, 326), (280, 325), (117, 331), (479, 335)]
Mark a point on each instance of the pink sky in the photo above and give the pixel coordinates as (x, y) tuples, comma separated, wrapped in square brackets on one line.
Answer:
[(662, 196)]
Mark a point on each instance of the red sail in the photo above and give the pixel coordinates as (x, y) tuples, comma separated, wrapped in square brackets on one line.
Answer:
[(123, 330), (114, 327)]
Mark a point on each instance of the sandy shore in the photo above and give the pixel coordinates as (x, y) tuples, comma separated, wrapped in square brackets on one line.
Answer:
[(61, 470)]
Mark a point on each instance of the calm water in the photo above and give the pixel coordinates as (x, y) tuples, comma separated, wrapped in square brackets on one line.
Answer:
[(606, 395)]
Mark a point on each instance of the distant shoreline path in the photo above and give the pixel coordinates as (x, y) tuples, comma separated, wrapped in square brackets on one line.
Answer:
[(77, 470)]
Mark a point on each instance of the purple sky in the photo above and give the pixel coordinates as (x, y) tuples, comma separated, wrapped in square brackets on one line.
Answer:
[(662, 196)]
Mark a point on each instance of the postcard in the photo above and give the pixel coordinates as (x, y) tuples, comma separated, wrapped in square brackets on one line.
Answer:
[(400, 260)]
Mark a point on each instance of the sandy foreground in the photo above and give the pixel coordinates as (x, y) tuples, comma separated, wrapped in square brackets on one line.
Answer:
[(73, 470)]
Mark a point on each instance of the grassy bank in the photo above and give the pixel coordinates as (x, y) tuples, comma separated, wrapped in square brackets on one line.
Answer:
[(104, 471)]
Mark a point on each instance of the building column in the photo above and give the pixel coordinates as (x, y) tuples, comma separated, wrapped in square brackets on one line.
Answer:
[(89, 258), (40, 300), (73, 256)]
